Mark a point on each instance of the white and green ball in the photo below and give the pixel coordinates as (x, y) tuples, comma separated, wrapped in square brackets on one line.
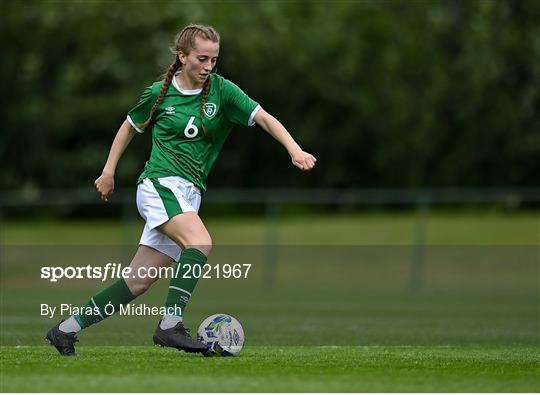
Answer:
[(223, 334)]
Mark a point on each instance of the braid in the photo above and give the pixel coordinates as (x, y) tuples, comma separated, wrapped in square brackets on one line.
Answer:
[(166, 83), (206, 89)]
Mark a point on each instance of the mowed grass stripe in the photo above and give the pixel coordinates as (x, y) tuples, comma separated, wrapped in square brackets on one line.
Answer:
[(276, 369), (454, 228)]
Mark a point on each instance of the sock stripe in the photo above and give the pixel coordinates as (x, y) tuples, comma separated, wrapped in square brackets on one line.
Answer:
[(94, 302), (79, 320), (97, 308), (180, 289)]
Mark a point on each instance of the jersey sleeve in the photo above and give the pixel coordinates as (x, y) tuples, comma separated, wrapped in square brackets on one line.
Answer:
[(140, 113), (239, 107)]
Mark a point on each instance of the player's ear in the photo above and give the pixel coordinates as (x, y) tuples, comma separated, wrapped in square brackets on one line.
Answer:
[(182, 57)]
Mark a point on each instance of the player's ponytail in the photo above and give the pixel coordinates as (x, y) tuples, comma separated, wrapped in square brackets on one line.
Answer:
[(169, 75), (205, 90)]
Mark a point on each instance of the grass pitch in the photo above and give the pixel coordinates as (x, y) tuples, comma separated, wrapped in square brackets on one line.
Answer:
[(275, 369), (345, 303)]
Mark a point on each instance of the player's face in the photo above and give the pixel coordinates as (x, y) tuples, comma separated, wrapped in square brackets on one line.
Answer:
[(198, 64)]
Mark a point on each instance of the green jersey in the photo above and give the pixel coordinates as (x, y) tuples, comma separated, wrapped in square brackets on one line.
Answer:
[(180, 147)]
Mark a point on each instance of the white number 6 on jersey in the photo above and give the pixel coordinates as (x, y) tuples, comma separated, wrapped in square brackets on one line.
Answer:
[(191, 129)]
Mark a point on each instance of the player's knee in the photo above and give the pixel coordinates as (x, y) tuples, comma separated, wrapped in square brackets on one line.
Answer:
[(202, 243)]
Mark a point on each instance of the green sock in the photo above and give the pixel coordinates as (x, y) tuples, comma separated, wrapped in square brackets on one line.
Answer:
[(105, 303), (180, 288)]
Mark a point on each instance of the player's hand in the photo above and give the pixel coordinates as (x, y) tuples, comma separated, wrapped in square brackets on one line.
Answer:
[(303, 160), (105, 186)]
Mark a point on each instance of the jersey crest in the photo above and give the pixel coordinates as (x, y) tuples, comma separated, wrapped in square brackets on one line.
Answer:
[(210, 109)]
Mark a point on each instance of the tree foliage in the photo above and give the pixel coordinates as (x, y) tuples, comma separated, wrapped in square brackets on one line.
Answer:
[(384, 93)]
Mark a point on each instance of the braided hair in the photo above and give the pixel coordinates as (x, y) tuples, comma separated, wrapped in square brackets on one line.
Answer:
[(205, 90), (185, 42), (169, 75)]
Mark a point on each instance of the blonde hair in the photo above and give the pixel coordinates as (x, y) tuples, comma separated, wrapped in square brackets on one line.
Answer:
[(185, 42)]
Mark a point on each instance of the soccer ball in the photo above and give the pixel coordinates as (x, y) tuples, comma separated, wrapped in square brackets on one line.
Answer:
[(223, 334)]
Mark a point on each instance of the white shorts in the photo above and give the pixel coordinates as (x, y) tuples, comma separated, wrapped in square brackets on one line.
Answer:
[(160, 199)]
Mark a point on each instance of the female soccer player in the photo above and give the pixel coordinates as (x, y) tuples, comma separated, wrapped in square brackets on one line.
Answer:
[(190, 113)]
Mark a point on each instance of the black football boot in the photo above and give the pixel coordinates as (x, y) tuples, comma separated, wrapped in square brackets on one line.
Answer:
[(179, 338), (64, 342)]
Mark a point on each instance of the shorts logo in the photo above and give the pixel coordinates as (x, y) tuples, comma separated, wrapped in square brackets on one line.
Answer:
[(210, 109), (170, 110)]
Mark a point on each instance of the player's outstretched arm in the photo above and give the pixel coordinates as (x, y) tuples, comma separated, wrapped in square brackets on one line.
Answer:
[(301, 159), (105, 183)]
